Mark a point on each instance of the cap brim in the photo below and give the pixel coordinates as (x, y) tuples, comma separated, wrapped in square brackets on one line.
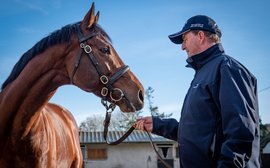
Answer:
[(176, 38)]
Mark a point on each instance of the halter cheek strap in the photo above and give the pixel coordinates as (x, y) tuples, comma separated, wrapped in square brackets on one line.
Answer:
[(107, 90)]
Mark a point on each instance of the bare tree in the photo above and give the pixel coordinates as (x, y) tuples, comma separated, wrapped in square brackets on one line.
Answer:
[(154, 109), (119, 121), (93, 123)]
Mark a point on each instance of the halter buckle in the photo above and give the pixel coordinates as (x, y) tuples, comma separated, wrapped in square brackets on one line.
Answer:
[(104, 79), (82, 45), (87, 49), (104, 91)]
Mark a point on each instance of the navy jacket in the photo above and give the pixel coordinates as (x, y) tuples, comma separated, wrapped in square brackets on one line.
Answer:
[(219, 124)]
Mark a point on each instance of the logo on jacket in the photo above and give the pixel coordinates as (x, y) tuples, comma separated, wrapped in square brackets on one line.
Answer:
[(240, 160), (195, 86)]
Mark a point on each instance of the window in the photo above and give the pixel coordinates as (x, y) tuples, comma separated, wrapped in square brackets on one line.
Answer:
[(177, 152), (83, 148), (165, 150), (97, 154)]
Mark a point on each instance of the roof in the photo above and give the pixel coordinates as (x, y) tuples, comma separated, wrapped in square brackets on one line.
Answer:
[(135, 136)]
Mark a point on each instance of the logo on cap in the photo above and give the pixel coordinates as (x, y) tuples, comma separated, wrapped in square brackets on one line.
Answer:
[(196, 25)]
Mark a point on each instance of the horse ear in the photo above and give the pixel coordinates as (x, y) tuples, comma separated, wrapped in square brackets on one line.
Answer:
[(89, 18), (97, 17)]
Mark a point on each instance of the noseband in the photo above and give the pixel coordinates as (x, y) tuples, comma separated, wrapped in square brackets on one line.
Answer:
[(107, 89)]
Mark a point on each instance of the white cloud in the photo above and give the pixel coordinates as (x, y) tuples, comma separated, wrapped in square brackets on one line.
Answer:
[(40, 6), (26, 30), (33, 5)]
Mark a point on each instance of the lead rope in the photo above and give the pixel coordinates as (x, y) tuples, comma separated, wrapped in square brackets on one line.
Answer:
[(155, 149), (109, 109), (106, 123)]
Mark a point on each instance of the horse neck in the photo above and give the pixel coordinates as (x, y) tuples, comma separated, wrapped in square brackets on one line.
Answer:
[(32, 89)]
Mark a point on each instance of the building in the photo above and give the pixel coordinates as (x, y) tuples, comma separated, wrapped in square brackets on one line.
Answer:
[(135, 152)]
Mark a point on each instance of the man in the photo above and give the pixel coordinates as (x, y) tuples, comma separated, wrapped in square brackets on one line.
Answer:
[(219, 124)]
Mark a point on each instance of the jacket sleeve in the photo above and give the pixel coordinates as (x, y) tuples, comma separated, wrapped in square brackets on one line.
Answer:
[(237, 98), (167, 128)]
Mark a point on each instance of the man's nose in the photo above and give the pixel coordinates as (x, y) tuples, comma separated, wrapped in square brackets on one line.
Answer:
[(183, 46)]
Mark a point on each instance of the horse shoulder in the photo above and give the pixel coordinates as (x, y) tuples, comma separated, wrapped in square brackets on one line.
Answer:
[(54, 134)]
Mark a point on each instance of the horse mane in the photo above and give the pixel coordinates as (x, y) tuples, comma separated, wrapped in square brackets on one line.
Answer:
[(57, 37)]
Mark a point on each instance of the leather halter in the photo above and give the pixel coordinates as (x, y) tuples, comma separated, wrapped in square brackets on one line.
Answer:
[(108, 89)]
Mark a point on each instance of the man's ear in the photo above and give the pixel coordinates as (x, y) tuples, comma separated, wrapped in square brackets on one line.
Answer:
[(202, 36)]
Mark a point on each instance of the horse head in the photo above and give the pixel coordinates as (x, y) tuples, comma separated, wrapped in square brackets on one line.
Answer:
[(94, 66)]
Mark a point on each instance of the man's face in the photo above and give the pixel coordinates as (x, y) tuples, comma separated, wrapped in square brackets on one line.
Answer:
[(191, 43)]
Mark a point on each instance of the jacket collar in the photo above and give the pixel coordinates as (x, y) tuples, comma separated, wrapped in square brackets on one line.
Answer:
[(198, 60)]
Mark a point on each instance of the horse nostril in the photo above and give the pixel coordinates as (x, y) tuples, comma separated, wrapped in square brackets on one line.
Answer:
[(140, 96)]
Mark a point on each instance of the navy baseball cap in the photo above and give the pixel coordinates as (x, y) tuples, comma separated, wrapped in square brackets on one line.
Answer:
[(198, 22)]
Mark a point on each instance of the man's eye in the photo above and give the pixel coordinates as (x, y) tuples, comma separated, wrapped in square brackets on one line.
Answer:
[(105, 50)]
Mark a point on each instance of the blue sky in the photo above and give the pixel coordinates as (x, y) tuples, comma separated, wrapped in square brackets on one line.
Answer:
[(139, 31)]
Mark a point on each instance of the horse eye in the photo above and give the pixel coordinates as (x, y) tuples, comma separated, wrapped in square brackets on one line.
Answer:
[(105, 50)]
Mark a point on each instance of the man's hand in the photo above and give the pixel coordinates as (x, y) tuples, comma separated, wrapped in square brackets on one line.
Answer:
[(144, 124)]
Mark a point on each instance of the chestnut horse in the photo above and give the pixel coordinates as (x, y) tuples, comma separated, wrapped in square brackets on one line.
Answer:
[(34, 133)]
